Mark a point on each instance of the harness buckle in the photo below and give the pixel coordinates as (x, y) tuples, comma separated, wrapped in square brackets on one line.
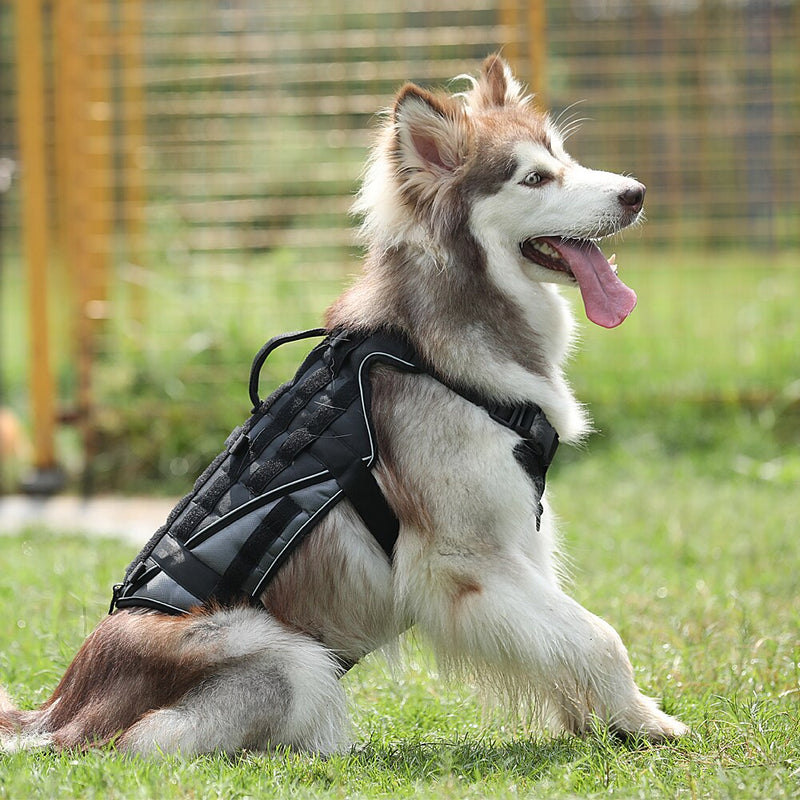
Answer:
[(520, 418), (528, 414), (116, 591)]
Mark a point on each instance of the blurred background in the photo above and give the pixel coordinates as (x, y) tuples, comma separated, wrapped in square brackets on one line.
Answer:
[(175, 181)]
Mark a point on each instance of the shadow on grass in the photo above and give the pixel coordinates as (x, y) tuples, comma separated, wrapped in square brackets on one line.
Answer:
[(468, 758)]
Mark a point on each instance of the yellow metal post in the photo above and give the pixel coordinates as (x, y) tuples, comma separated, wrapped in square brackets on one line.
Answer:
[(97, 203), (31, 120), (99, 177), (73, 173), (510, 22), (69, 102), (537, 54), (130, 49), (525, 21)]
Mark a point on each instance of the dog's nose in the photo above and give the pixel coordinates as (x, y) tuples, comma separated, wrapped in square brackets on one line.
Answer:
[(633, 197)]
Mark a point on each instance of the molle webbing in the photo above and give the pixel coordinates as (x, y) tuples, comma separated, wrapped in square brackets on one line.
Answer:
[(306, 447)]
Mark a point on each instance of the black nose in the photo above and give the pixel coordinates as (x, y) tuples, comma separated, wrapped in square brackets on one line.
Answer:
[(633, 197)]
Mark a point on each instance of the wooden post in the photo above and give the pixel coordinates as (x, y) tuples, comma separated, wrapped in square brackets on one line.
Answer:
[(31, 121)]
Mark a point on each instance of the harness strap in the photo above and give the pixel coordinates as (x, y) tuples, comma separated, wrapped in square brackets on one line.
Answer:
[(184, 567), (535, 452), (248, 557), (359, 485)]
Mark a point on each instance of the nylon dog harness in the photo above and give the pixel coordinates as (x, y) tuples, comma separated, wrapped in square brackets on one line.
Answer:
[(306, 447)]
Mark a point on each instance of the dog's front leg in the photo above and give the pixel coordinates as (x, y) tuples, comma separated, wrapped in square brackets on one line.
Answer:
[(513, 622)]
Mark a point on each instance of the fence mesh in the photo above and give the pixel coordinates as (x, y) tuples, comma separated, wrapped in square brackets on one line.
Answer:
[(202, 158)]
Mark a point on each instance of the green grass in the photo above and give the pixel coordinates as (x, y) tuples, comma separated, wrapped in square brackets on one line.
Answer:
[(695, 562), (708, 327)]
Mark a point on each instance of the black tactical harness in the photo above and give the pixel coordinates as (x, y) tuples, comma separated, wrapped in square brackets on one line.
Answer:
[(305, 448)]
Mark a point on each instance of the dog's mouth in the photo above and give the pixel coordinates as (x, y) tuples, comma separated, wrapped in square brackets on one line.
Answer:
[(608, 301)]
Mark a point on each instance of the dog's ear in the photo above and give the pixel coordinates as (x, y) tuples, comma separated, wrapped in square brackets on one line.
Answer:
[(496, 85), (431, 131)]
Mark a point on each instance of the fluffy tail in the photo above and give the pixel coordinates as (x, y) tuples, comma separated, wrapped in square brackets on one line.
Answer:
[(116, 677), (133, 682), (9, 715)]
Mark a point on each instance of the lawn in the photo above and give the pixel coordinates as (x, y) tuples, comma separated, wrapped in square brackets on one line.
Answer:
[(696, 566), (679, 517)]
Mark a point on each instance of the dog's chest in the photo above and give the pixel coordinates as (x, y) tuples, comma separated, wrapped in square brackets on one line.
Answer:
[(450, 466)]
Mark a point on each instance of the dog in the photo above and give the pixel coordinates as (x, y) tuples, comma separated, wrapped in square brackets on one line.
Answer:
[(473, 215)]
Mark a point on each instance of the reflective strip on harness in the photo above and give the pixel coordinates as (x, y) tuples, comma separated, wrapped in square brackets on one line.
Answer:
[(305, 448)]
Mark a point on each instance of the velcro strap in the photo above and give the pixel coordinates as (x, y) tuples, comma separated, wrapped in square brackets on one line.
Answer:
[(300, 438), (252, 551), (185, 568)]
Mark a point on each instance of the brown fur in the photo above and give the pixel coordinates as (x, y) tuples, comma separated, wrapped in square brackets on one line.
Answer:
[(406, 504), (463, 588), (132, 663), (309, 593), (493, 85)]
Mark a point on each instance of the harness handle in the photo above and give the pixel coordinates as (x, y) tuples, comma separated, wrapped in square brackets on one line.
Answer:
[(263, 353)]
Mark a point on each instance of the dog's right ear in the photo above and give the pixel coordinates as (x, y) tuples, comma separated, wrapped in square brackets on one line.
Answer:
[(431, 132), (496, 86)]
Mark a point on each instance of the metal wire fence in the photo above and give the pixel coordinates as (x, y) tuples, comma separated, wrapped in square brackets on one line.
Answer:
[(199, 158)]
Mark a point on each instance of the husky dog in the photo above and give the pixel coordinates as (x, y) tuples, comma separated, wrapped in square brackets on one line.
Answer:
[(473, 213)]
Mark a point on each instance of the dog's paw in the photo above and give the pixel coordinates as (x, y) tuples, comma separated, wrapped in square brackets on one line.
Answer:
[(667, 729), (649, 722)]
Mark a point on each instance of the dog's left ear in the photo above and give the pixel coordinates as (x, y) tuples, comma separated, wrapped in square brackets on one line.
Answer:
[(496, 86), (431, 132)]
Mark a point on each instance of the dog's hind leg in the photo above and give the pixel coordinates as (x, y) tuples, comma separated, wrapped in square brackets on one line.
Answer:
[(272, 688), (520, 630)]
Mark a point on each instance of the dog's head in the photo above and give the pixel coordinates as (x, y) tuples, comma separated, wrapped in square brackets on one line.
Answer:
[(487, 164)]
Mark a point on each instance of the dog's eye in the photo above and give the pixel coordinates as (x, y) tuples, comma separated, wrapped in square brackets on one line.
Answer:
[(534, 179)]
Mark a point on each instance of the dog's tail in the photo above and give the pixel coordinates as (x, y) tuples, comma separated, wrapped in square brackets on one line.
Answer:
[(8, 713), (132, 663)]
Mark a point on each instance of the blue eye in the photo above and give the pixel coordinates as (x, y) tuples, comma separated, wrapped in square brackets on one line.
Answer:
[(533, 179)]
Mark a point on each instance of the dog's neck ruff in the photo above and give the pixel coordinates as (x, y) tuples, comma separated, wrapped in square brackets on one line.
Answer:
[(305, 448)]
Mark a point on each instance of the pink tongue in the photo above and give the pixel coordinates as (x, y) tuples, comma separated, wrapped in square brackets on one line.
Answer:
[(607, 300)]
